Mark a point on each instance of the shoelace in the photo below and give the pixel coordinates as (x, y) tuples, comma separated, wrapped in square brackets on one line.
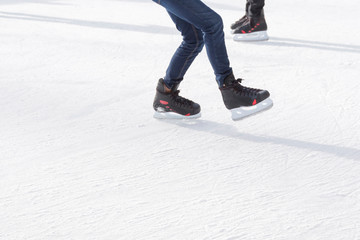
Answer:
[(181, 101), (242, 90), (246, 26), (240, 20), (249, 25)]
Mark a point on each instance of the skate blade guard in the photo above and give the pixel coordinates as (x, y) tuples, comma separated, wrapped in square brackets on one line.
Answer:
[(243, 112), (254, 36), (173, 115)]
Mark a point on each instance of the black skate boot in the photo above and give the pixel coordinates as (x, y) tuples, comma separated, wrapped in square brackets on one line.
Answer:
[(171, 105), (252, 29), (238, 23), (243, 101)]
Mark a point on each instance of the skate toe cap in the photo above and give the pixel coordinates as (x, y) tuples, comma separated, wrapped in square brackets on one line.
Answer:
[(262, 95), (197, 108)]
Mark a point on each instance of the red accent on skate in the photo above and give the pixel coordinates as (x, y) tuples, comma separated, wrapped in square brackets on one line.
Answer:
[(243, 31), (254, 102), (164, 102), (187, 114)]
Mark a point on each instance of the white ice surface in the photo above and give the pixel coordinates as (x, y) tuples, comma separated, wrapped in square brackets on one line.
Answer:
[(81, 156)]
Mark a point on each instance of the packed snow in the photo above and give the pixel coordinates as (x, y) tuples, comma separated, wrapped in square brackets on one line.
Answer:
[(81, 156)]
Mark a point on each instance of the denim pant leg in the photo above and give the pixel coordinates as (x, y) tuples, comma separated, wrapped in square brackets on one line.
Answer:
[(210, 23), (190, 47)]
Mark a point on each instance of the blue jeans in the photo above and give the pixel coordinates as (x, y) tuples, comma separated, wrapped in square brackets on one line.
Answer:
[(199, 25)]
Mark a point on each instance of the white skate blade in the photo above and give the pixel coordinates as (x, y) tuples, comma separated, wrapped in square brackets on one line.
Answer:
[(254, 36), (172, 115), (243, 112)]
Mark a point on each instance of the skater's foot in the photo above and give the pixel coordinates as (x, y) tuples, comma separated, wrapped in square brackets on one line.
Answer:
[(252, 29), (243, 101), (168, 103), (236, 95), (238, 23)]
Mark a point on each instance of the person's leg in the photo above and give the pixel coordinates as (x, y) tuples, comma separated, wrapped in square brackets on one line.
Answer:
[(190, 47), (247, 6), (255, 8), (210, 23), (235, 95)]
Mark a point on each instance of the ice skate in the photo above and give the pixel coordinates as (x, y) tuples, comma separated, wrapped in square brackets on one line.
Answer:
[(238, 23), (253, 29), (243, 101), (169, 105)]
